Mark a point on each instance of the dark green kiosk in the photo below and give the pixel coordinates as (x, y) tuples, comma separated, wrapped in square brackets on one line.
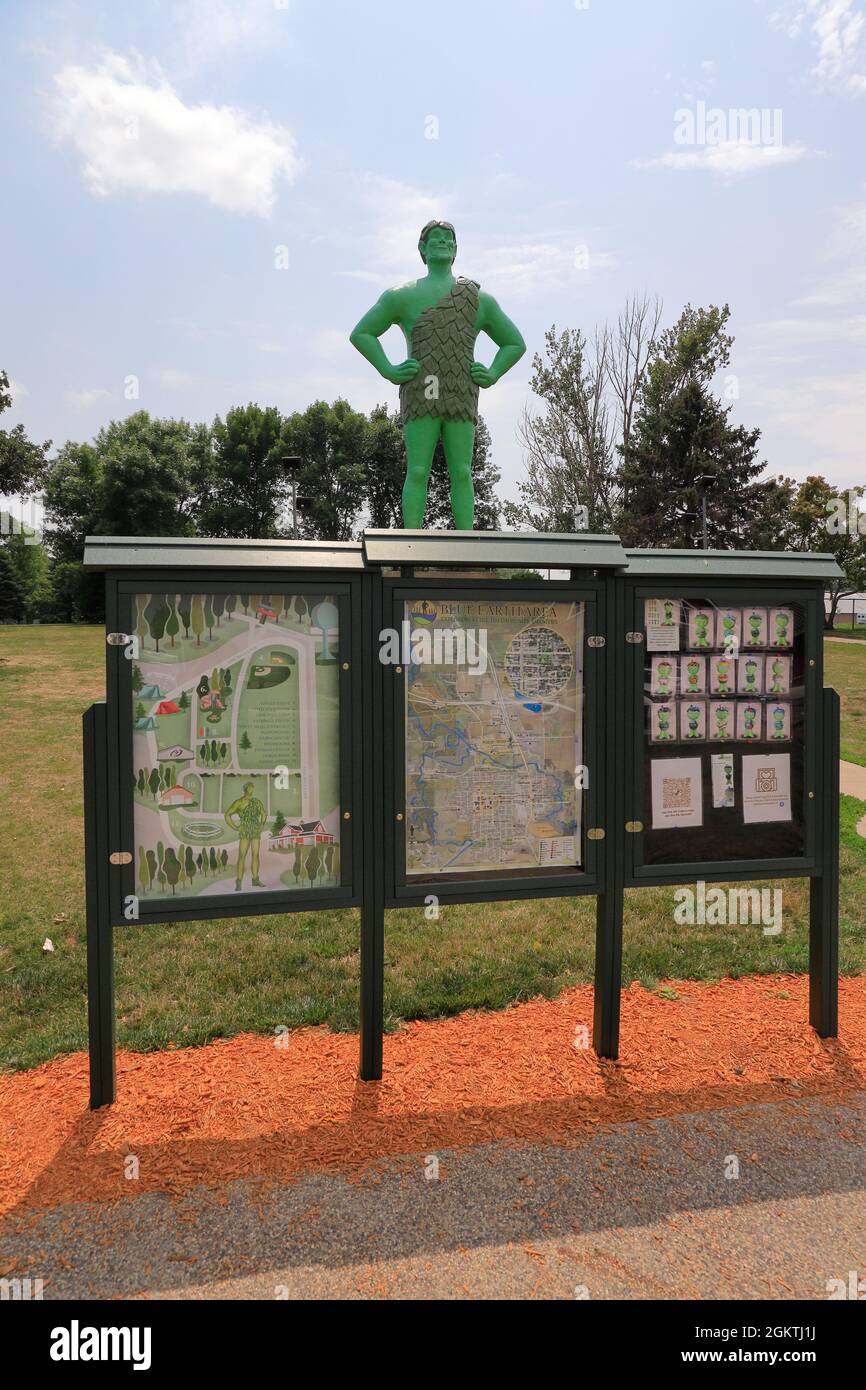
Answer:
[(422, 718)]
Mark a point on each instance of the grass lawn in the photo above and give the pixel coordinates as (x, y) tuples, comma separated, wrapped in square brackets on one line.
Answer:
[(844, 628), (845, 669), (192, 982)]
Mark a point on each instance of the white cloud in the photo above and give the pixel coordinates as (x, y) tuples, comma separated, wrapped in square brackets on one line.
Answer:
[(844, 286), (206, 31), (837, 29), (546, 263), (17, 390), (389, 216), (728, 159), (86, 397), (135, 135)]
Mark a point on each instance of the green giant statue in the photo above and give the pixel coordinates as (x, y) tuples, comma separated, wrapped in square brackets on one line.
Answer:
[(441, 315)]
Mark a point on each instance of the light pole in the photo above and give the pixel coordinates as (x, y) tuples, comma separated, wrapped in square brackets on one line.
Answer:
[(293, 464)]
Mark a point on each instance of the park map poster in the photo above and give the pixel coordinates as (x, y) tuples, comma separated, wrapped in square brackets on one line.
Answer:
[(235, 743), (492, 754)]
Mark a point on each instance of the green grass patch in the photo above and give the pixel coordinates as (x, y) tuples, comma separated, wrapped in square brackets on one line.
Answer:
[(845, 670)]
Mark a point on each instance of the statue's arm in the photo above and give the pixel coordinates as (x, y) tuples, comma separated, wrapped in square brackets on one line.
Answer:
[(365, 337), (505, 334)]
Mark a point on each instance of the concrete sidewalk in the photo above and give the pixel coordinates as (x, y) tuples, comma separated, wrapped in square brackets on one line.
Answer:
[(637, 1211)]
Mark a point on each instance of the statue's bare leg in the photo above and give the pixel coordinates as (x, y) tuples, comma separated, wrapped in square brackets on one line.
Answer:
[(458, 439), (420, 437)]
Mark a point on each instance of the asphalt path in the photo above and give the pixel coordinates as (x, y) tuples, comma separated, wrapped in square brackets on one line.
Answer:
[(754, 1202)]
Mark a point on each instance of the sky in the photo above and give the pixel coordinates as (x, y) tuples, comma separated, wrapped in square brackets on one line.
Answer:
[(202, 198)]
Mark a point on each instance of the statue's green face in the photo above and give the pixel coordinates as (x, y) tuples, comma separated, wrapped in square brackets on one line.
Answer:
[(440, 247)]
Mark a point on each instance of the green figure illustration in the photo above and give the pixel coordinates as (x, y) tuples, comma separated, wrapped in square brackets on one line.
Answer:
[(441, 315), (251, 817), (778, 722), (729, 622), (751, 673), (749, 722), (723, 675), (782, 638), (692, 672), (664, 723), (665, 671), (778, 672), (702, 622), (722, 723), (693, 715), (668, 619), (755, 629)]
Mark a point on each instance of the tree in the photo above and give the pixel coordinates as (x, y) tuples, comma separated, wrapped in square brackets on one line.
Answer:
[(242, 483), (22, 463), (197, 618), (72, 491), (821, 518), (157, 614), (184, 612), (246, 743), (150, 469), (143, 870), (279, 822), (172, 623), (30, 563), (684, 459), (137, 478), (687, 457), (312, 865), (297, 865), (153, 782), (333, 481), (589, 389), (11, 593), (172, 867)]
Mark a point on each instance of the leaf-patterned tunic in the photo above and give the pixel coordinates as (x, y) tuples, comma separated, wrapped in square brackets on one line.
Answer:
[(443, 341)]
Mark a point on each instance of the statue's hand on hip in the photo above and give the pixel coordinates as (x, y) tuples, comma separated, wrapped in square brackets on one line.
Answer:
[(404, 371), (481, 375)]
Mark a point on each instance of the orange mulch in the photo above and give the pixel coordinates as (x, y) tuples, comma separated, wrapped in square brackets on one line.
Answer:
[(245, 1108)]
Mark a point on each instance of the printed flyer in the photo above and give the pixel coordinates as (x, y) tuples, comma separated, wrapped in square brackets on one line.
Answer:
[(766, 787), (677, 792)]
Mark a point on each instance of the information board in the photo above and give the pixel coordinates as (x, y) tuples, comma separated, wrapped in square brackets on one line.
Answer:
[(235, 743), (494, 728)]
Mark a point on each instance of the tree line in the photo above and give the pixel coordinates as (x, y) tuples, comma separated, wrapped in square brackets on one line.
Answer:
[(630, 432)]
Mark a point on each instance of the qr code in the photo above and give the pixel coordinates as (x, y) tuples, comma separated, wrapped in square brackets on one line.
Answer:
[(675, 792)]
